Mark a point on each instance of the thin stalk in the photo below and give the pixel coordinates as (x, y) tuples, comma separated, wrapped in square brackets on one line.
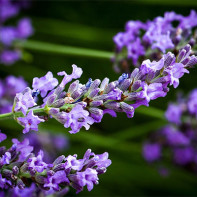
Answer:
[(149, 111), (12, 115), (64, 50)]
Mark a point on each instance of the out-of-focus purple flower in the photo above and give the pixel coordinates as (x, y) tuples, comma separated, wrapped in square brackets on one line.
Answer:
[(44, 84), (28, 191), (151, 152), (173, 113), (24, 28), (189, 21), (135, 50), (151, 38), (9, 34), (30, 122), (14, 85), (192, 102), (8, 57), (184, 155), (174, 136), (178, 137), (2, 137), (7, 10), (8, 89)]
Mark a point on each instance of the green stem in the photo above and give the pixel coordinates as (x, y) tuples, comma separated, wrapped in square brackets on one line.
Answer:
[(64, 50), (13, 115)]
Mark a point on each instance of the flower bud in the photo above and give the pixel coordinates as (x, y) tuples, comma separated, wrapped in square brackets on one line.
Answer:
[(110, 87), (94, 92), (96, 111), (59, 103), (59, 160), (51, 99), (125, 84), (104, 84), (181, 55), (40, 179), (96, 103), (136, 85), (20, 184), (94, 85)]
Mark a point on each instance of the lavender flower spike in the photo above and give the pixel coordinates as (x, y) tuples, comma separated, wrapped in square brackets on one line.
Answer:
[(21, 170), (178, 137), (148, 40), (83, 104)]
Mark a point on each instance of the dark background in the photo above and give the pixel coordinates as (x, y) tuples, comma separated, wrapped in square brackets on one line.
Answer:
[(92, 24)]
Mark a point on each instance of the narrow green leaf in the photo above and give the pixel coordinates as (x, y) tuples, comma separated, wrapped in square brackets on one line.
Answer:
[(64, 50)]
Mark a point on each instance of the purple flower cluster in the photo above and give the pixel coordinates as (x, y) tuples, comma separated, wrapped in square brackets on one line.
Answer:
[(149, 39), (9, 34), (29, 173), (178, 138), (83, 104), (8, 89)]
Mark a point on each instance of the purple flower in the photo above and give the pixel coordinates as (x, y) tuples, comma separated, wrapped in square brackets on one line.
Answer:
[(163, 42), (151, 152), (73, 163), (44, 84), (24, 28), (36, 163), (15, 85), (8, 35), (28, 191), (192, 102), (8, 57), (175, 72), (153, 91), (53, 181), (4, 182), (24, 101), (2, 137), (88, 177), (174, 136), (77, 72), (189, 21), (30, 122), (7, 10), (135, 50), (23, 147), (182, 156), (5, 159), (148, 66), (77, 118), (173, 113)]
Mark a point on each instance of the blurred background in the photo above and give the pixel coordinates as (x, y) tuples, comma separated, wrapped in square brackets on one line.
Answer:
[(92, 25)]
